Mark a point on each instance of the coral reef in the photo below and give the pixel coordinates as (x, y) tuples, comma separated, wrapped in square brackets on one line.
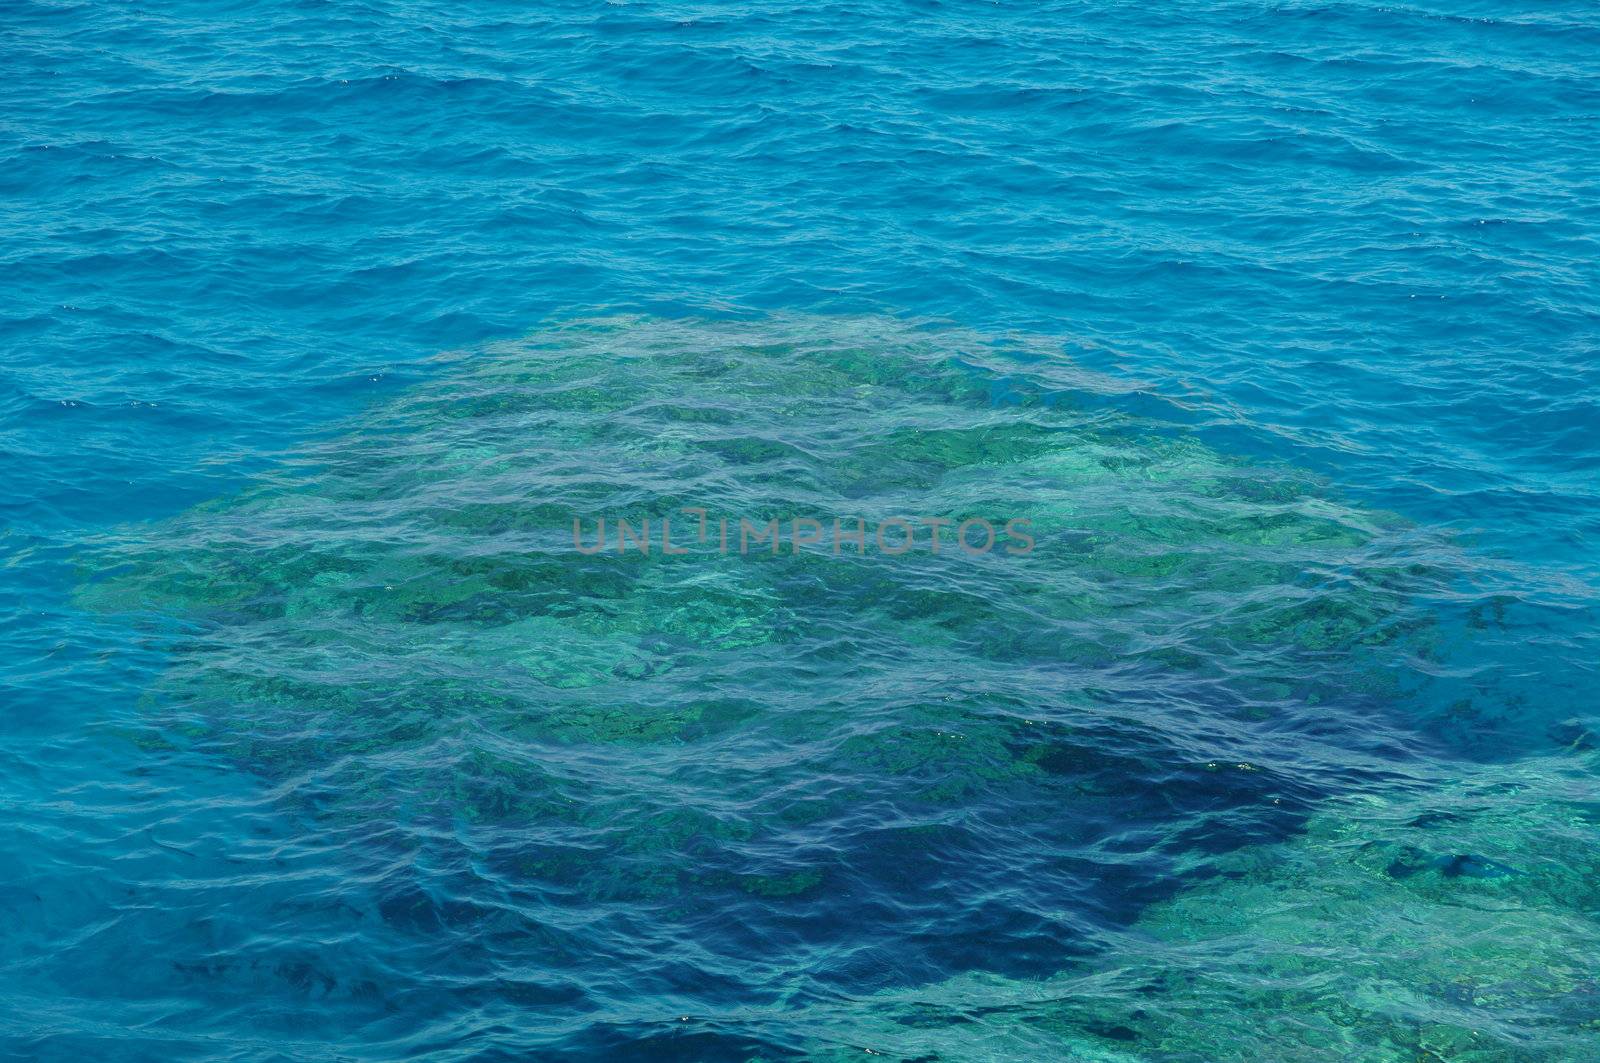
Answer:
[(932, 761)]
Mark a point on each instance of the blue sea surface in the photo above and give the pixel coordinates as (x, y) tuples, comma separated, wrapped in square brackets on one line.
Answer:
[(1279, 323)]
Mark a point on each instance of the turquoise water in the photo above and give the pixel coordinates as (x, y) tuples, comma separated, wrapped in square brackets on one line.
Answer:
[(1277, 325)]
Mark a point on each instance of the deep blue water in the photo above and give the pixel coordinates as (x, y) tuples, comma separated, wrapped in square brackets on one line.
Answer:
[(1281, 321)]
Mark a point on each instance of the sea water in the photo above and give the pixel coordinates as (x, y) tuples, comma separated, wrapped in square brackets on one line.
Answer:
[(1261, 337)]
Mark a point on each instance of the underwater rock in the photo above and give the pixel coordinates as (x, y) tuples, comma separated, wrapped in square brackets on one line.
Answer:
[(398, 630), (1314, 950), (1321, 950)]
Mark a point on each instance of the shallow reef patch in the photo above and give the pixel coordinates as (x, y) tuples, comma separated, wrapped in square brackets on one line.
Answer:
[(877, 771)]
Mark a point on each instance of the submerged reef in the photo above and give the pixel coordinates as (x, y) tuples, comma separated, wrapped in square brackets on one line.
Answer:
[(807, 771), (1455, 919)]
